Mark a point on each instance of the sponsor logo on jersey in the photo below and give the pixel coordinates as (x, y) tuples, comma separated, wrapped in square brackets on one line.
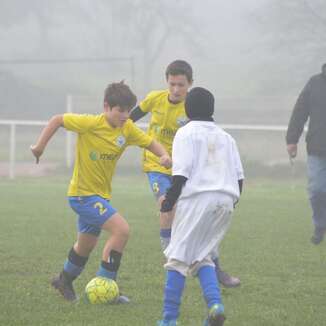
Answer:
[(156, 128), (169, 133), (95, 156)]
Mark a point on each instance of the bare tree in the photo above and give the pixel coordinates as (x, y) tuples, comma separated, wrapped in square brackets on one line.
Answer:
[(147, 26), (15, 12), (290, 42), (294, 26), (124, 28)]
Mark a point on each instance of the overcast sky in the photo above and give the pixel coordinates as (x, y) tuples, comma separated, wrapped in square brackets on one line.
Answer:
[(231, 57)]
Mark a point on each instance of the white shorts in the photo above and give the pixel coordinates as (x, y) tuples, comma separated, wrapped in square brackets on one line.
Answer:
[(199, 225)]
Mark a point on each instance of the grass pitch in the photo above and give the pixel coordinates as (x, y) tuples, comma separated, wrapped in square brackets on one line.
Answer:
[(282, 274)]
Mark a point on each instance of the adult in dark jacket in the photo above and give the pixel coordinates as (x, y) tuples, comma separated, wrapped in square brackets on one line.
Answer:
[(312, 104)]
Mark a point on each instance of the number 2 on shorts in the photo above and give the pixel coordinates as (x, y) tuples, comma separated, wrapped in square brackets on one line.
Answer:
[(100, 207)]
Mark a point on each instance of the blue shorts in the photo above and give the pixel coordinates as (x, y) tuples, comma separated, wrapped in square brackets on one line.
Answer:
[(159, 183), (92, 211)]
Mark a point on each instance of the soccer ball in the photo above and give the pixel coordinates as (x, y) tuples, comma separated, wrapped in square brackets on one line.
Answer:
[(101, 290)]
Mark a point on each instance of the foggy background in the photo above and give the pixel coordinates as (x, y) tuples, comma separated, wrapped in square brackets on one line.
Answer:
[(254, 55)]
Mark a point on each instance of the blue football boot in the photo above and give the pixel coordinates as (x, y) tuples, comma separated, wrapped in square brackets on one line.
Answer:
[(215, 316)]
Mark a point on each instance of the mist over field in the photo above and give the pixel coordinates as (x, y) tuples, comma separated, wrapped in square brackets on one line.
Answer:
[(255, 56), (252, 54)]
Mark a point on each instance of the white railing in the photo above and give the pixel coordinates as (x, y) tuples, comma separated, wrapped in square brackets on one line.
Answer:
[(69, 150), (12, 139)]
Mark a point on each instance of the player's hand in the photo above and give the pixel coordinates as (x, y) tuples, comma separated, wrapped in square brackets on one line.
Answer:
[(36, 152), (165, 160), (292, 150)]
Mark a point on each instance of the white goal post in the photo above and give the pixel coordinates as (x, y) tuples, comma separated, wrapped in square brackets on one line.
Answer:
[(13, 124)]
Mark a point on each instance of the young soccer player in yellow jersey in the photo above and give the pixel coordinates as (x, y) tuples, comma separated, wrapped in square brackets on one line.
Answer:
[(167, 116), (101, 141)]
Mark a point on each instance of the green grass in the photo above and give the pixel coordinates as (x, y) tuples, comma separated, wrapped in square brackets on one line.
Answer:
[(282, 274)]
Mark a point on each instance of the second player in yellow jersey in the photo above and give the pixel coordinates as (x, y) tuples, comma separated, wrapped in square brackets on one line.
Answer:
[(167, 109), (166, 118)]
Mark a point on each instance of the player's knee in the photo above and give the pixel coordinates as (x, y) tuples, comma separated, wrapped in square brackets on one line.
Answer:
[(123, 231), (160, 200), (126, 231)]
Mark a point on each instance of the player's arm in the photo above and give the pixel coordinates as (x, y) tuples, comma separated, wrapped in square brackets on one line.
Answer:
[(145, 106), (238, 168), (137, 113), (182, 156), (298, 118), (240, 182), (157, 149), (173, 193), (49, 130)]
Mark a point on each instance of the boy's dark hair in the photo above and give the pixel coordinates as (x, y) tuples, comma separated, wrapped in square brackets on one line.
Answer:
[(179, 67), (199, 103), (119, 94)]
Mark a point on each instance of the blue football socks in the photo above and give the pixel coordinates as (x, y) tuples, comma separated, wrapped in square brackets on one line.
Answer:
[(175, 283), (209, 284), (75, 264), (106, 273), (72, 269)]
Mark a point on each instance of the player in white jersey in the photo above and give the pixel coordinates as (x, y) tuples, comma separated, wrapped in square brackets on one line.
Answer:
[(207, 182)]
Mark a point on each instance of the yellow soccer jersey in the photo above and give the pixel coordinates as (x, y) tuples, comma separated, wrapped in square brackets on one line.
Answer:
[(99, 146), (166, 119)]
